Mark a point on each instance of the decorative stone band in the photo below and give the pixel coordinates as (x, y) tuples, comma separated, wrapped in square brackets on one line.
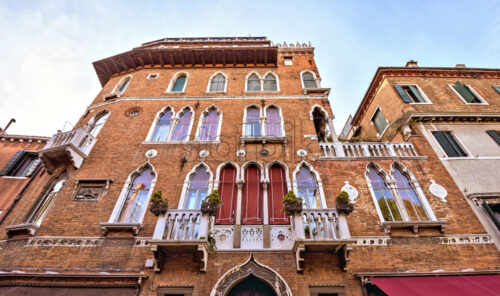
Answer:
[(441, 240), (72, 241)]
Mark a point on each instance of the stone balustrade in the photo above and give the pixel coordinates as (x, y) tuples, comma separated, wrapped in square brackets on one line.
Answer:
[(367, 150)]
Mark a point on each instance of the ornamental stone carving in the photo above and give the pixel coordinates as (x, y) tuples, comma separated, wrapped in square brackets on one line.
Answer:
[(251, 267), (351, 191), (438, 190)]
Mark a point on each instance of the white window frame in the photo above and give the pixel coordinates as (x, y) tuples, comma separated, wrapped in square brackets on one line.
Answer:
[(243, 130), (483, 101), (200, 124), (174, 79), (282, 124), (185, 186), (155, 121), (285, 168), (457, 139), (379, 135), (321, 192), (176, 120), (150, 76), (316, 79), (212, 77), (123, 194), (117, 87), (424, 96), (287, 58), (45, 195), (263, 79), (219, 170), (260, 80)]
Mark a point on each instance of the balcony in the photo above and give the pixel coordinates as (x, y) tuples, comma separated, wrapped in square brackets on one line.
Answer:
[(72, 146), (181, 231), (363, 150), (320, 230)]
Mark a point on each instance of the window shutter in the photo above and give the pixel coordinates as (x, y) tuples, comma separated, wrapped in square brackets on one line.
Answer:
[(33, 167), (416, 93), (464, 92), (497, 88), (402, 93), (495, 135), (12, 162), (490, 213)]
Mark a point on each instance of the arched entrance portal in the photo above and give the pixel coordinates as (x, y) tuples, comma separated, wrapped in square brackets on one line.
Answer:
[(251, 286), (251, 279)]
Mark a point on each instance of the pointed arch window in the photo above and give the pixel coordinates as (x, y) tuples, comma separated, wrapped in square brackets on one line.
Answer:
[(228, 191), (270, 83), (383, 194), (137, 197), (276, 191), (179, 83), (210, 126), (273, 123), (49, 197), (308, 80), (197, 189), (162, 128), (181, 129), (253, 83), (99, 123), (307, 187), (252, 124), (407, 194), (252, 196), (218, 83), (122, 85)]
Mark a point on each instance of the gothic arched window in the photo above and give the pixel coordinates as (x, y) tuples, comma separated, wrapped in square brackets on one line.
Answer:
[(253, 83), (383, 194), (137, 197), (99, 123), (276, 191), (218, 83), (252, 124), (273, 123), (228, 190), (48, 199), (181, 129), (308, 80), (162, 127), (307, 187), (209, 126), (252, 196), (409, 197), (270, 83), (180, 83), (197, 189)]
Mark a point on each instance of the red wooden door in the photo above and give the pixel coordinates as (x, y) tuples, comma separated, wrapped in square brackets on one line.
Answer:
[(276, 191), (252, 197), (227, 192)]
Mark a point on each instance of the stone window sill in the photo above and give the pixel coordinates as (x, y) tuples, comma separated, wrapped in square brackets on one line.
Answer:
[(107, 226), (264, 140), (31, 228), (415, 225)]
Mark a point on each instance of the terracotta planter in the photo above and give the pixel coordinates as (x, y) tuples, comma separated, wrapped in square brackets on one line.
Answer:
[(210, 209), (291, 209), (158, 208), (344, 208)]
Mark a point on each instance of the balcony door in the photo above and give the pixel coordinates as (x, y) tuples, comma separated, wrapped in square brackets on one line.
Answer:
[(228, 191)]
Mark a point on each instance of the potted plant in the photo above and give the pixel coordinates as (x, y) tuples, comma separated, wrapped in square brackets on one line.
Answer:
[(291, 203), (344, 203), (211, 203), (158, 204)]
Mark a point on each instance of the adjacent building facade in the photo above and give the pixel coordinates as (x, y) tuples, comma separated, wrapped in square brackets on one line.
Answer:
[(249, 119)]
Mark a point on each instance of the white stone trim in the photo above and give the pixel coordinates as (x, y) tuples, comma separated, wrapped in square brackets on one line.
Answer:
[(248, 76), (287, 173), (123, 194), (318, 180), (200, 123), (174, 79), (282, 122), (120, 83), (212, 77), (275, 77), (416, 186), (219, 169), (176, 119), (157, 118), (182, 199), (316, 78)]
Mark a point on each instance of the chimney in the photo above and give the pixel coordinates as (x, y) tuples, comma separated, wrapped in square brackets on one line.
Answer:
[(411, 63), (460, 66)]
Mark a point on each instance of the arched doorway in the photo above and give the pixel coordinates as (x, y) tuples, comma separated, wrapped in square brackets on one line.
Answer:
[(251, 286)]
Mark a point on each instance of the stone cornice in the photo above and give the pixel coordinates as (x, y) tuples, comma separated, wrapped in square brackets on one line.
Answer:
[(23, 138), (384, 72)]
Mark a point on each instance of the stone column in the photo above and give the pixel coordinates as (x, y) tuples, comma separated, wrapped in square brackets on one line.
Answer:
[(237, 225), (265, 213)]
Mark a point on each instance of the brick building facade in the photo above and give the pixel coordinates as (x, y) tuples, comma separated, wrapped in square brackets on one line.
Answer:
[(250, 119)]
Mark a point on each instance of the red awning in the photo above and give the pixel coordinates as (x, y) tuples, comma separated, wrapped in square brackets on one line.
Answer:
[(470, 285)]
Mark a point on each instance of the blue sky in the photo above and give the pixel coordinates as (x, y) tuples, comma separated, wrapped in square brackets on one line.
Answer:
[(47, 78)]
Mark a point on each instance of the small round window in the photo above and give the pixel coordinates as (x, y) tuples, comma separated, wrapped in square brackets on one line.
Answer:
[(134, 113)]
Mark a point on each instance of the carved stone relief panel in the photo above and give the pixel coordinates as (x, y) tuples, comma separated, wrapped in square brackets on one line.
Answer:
[(224, 237), (281, 237), (252, 237)]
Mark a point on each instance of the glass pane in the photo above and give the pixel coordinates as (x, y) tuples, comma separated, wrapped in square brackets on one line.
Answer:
[(306, 179), (179, 84), (270, 83), (218, 83), (409, 197), (253, 123), (124, 85), (253, 83), (386, 202), (273, 125), (162, 127), (181, 128), (99, 123), (209, 127), (380, 122), (308, 80), (199, 180)]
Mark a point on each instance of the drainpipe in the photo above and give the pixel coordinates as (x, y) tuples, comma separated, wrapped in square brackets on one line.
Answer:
[(12, 120)]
